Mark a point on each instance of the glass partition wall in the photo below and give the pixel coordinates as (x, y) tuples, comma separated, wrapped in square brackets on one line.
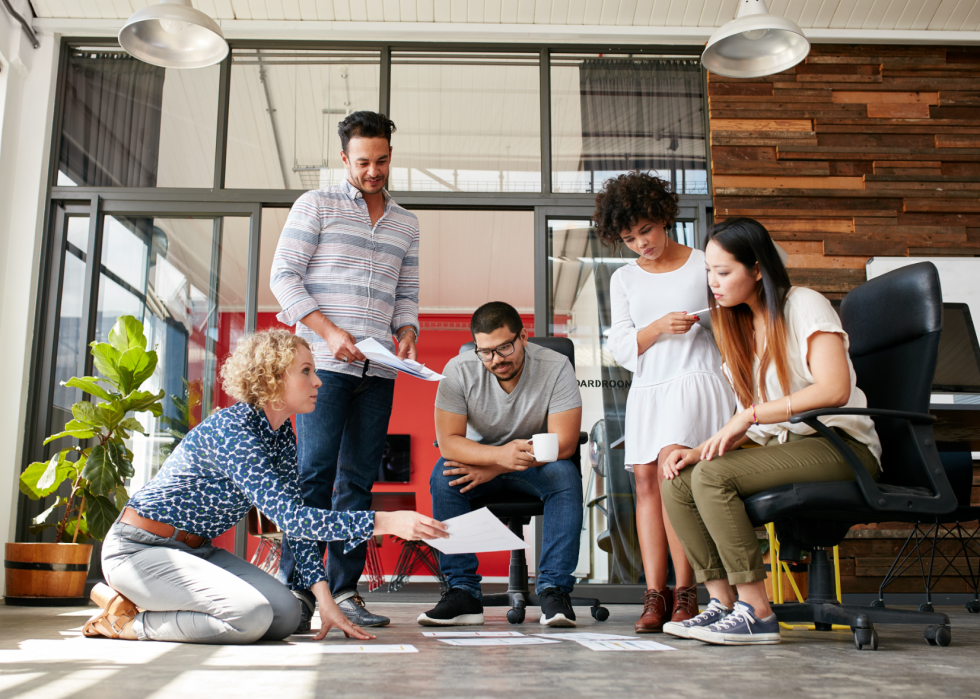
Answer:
[(169, 190)]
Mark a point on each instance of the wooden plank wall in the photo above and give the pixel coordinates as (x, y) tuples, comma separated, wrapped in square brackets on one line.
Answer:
[(858, 151)]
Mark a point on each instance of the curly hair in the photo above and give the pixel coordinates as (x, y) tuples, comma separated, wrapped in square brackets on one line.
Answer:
[(624, 200), (254, 372)]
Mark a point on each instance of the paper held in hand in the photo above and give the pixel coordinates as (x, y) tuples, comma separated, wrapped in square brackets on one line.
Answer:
[(477, 532), (376, 352)]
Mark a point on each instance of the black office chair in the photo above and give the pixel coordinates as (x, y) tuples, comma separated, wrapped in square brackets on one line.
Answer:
[(894, 323), (516, 509)]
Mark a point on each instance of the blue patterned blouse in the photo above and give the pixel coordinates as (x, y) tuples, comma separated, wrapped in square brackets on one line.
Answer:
[(231, 461)]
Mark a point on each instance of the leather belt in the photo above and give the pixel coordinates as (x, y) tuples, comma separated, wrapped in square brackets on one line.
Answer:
[(129, 516)]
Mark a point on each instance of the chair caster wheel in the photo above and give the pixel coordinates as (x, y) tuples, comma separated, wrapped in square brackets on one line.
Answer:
[(600, 613), (926, 607), (515, 616), (973, 607), (866, 639), (937, 635), (878, 604)]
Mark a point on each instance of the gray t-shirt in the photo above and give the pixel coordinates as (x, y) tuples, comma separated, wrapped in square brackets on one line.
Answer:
[(494, 417)]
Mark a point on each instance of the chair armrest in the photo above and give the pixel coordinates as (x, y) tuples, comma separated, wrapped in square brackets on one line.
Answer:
[(942, 501), (583, 437), (914, 418)]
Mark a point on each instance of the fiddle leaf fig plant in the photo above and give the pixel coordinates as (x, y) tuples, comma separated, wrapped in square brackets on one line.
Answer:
[(97, 473)]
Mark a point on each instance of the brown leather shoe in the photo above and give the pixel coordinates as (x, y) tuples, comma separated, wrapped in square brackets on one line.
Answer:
[(656, 608), (685, 603)]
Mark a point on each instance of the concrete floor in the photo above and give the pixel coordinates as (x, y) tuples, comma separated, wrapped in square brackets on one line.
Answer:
[(43, 655)]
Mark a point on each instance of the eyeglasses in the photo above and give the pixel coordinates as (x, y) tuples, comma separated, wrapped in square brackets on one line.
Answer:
[(504, 350)]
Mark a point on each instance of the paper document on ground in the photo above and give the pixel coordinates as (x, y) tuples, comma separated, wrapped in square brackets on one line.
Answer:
[(472, 634), (585, 636), (477, 532), (625, 645), (378, 648), (522, 641), (376, 352)]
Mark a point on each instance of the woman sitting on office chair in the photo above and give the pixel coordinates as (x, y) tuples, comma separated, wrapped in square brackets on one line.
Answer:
[(785, 352), (168, 583)]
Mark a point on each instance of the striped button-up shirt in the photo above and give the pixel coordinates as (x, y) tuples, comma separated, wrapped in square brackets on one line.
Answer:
[(364, 278)]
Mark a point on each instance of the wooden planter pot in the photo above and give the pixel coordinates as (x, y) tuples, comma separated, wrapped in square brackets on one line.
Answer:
[(46, 575)]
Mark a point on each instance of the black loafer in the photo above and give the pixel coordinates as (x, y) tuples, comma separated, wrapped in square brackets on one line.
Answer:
[(352, 605)]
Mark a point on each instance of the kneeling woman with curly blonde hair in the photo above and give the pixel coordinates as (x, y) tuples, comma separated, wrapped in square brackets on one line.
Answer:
[(166, 580)]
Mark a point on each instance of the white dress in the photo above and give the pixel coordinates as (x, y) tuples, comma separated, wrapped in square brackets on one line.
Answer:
[(679, 393)]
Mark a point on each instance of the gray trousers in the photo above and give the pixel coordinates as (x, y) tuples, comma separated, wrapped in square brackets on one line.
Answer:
[(203, 595)]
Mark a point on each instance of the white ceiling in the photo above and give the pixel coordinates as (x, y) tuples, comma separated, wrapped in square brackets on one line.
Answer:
[(936, 15)]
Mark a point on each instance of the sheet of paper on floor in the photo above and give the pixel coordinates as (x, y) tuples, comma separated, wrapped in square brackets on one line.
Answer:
[(625, 645), (585, 636), (522, 641), (477, 532), (472, 634), (378, 648)]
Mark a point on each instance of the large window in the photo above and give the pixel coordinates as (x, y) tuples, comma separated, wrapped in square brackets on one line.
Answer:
[(127, 123), (615, 113), (284, 111), (466, 122)]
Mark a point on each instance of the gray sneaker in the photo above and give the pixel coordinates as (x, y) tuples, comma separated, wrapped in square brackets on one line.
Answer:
[(740, 628), (307, 606), (352, 605), (715, 611)]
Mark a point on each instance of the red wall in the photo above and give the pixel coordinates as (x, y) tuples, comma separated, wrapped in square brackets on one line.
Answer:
[(413, 414)]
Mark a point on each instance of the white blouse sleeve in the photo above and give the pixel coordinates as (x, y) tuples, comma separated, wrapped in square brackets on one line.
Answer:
[(622, 334), (812, 313)]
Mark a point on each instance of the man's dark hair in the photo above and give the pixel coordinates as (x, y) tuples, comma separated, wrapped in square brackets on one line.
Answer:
[(493, 315), (365, 125)]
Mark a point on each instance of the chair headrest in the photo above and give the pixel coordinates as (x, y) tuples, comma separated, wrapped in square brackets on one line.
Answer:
[(895, 308)]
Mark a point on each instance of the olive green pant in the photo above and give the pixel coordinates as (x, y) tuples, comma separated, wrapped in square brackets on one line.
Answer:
[(704, 502)]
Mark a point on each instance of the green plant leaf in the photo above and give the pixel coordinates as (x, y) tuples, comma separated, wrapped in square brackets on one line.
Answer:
[(127, 333), (100, 471), (33, 473), (112, 413), (121, 497), (133, 425), (48, 478), (84, 412), (143, 401), (43, 517), (88, 385), (100, 513), (106, 358), (139, 363), (38, 528), (74, 428)]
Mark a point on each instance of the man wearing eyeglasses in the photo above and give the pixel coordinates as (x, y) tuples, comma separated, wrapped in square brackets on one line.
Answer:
[(488, 406)]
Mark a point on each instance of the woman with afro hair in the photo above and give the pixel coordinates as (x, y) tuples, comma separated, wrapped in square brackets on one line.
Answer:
[(679, 395)]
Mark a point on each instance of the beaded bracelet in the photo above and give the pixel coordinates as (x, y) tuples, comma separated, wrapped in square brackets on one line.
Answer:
[(755, 420)]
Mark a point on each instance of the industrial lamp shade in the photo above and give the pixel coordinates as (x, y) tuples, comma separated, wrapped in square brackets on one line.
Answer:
[(173, 35), (755, 44)]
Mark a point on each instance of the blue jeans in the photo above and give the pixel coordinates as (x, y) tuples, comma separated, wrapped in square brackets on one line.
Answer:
[(339, 449), (558, 483)]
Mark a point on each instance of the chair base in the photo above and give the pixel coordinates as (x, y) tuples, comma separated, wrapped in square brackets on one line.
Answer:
[(824, 611), (519, 596)]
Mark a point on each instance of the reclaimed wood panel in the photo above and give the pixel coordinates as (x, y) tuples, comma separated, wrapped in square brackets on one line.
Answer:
[(858, 151)]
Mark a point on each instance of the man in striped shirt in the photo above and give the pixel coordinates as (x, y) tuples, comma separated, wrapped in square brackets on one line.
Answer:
[(346, 269)]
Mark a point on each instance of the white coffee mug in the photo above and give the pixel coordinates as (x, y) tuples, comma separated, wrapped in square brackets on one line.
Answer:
[(545, 447)]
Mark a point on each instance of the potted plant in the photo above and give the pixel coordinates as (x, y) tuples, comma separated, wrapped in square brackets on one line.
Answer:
[(96, 474)]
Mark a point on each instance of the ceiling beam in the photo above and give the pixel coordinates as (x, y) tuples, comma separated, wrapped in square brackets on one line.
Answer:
[(449, 32)]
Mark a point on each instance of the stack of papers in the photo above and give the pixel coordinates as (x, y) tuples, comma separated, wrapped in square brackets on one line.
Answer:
[(377, 353)]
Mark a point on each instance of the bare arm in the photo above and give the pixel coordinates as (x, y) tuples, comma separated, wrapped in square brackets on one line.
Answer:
[(567, 425), (454, 446)]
